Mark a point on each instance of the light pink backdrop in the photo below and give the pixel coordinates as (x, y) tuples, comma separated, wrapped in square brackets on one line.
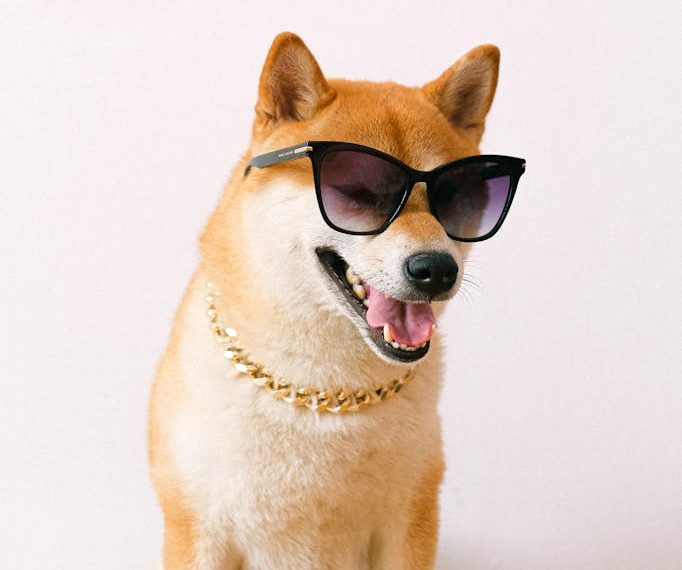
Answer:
[(119, 123)]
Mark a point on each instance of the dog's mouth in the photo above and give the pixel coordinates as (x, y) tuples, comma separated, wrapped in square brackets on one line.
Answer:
[(400, 330)]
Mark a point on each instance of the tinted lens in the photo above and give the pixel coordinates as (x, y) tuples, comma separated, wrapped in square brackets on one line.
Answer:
[(469, 199), (359, 191)]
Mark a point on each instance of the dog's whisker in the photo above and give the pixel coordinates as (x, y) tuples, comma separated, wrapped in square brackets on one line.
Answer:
[(288, 255), (474, 285), (278, 203), (466, 293), (467, 301)]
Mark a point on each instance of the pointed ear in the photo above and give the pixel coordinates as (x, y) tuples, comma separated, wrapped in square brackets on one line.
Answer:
[(291, 86), (465, 91)]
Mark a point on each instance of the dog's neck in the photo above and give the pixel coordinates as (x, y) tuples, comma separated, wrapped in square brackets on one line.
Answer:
[(308, 345)]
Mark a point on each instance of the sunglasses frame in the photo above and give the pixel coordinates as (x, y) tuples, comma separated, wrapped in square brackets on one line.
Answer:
[(316, 150)]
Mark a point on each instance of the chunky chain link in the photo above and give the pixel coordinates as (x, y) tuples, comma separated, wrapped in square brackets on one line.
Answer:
[(335, 402)]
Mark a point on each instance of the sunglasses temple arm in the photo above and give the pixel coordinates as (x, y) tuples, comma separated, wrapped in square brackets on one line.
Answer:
[(277, 156)]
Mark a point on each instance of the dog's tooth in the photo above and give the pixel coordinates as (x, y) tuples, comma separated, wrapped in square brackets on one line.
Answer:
[(351, 277), (359, 291), (365, 302), (433, 331), (388, 337), (394, 344), (403, 347)]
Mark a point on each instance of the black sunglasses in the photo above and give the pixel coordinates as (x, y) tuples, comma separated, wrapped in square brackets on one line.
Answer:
[(361, 190)]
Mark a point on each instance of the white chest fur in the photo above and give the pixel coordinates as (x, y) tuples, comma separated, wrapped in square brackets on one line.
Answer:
[(285, 487)]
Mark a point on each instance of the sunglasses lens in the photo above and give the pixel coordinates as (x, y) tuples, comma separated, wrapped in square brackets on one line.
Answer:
[(359, 192), (469, 199)]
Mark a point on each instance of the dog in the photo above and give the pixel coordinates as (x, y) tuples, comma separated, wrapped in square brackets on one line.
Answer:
[(293, 419)]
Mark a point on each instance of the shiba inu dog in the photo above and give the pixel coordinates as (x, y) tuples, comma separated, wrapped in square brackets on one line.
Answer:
[(293, 421)]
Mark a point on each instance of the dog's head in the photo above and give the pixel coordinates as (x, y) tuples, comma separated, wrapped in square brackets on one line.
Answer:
[(286, 253)]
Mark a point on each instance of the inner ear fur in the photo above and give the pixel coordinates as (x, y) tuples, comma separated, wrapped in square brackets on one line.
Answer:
[(465, 91), (292, 86)]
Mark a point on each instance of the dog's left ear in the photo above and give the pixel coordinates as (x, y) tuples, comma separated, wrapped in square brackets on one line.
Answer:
[(292, 86), (465, 91)]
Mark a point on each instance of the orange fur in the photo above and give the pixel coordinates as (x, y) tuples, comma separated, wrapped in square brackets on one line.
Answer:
[(166, 401), (422, 532)]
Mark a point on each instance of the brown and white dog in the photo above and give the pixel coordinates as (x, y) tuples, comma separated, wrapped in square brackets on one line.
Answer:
[(247, 480)]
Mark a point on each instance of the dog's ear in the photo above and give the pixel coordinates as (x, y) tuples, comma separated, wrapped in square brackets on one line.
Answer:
[(292, 86), (465, 91)]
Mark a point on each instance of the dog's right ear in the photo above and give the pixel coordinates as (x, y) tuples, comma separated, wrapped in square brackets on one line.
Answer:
[(292, 86)]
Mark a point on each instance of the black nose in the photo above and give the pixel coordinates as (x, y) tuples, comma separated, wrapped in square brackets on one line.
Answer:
[(433, 272)]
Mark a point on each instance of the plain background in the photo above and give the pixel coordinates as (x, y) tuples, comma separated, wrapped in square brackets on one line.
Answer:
[(119, 123)]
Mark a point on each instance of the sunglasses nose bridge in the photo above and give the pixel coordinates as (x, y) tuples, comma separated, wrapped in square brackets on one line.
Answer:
[(417, 199), (415, 217)]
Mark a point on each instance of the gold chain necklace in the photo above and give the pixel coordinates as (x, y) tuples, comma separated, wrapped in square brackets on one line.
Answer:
[(336, 402)]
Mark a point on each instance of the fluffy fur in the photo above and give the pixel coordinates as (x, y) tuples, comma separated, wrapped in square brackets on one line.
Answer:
[(249, 482)]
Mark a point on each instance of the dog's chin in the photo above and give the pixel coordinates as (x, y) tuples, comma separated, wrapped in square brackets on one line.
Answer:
[(335, 269)]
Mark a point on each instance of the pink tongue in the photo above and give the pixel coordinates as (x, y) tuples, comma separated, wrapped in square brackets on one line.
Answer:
[(411, 323)]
